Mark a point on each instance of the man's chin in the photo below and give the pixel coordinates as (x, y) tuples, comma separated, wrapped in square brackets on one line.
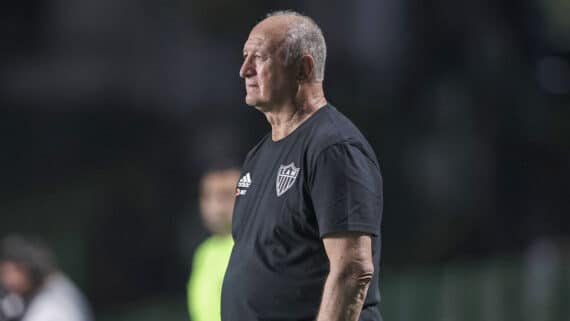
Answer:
[(254, 102)]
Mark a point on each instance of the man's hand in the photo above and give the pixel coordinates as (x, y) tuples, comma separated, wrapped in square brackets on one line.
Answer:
[(351, 270)]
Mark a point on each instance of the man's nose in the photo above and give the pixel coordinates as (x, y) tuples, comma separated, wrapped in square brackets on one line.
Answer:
[(246, 69)]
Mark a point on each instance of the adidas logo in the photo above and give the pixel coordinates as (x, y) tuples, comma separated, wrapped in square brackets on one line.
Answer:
[(245, 181)]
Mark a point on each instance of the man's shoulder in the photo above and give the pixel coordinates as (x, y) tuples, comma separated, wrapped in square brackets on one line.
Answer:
[(212, 249), (58, 291), (256, 148), (333, 128), (206, 246)]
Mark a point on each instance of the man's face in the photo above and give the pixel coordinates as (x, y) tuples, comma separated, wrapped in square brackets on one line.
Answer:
[(217, 196), (14, 278), (268, 82)]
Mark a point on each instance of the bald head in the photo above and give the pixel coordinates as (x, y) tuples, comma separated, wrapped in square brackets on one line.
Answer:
[(272, 32), (297, 35), (284, 62)]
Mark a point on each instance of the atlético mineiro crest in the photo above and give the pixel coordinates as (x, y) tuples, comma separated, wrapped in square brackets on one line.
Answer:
[(286, 176)]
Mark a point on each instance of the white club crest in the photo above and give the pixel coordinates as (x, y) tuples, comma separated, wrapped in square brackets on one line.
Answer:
[(286, 176)]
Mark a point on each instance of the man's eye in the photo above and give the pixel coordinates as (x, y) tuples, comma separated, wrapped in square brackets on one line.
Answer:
[(258, 57)]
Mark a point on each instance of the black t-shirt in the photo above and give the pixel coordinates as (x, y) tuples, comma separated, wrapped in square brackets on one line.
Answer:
[(322, 178)]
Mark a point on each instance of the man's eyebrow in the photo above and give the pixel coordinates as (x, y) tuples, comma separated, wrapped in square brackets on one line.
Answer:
[(250, 49)]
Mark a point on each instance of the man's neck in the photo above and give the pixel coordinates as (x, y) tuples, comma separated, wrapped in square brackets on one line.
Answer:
[(284, 119)]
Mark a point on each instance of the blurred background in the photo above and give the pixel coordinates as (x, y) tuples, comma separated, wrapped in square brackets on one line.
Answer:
[(111, 110)]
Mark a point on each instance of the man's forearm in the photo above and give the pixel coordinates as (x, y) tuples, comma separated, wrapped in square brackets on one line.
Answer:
[(343, 297)]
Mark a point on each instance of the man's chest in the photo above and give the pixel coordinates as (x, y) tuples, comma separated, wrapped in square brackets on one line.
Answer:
[(272, 196)]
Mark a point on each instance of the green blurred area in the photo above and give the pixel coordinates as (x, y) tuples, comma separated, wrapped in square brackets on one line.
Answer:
[(162, 308), (502, 289), (505, 289)]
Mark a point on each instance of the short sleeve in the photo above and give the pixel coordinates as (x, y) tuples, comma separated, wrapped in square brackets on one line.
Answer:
[(346, 189)]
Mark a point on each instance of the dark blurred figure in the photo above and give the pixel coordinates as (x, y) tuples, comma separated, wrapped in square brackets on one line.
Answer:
[(217, 196), (28, 270)]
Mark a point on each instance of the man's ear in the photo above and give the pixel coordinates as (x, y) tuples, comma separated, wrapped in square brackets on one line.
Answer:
[(306, 68)]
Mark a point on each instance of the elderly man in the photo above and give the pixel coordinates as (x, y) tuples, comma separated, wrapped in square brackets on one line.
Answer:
[(306, 221)]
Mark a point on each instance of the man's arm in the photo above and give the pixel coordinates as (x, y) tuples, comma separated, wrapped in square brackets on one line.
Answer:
[(351, 270)]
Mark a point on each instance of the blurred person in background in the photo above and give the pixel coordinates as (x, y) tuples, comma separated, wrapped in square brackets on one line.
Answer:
[(307, 217), (29, 270), (11, 306), (217, 196)]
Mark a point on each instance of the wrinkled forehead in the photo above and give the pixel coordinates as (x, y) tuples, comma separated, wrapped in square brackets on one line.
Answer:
[(268, 35)]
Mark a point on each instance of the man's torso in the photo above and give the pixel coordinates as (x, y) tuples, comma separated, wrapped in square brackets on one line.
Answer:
[(278, 265)]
